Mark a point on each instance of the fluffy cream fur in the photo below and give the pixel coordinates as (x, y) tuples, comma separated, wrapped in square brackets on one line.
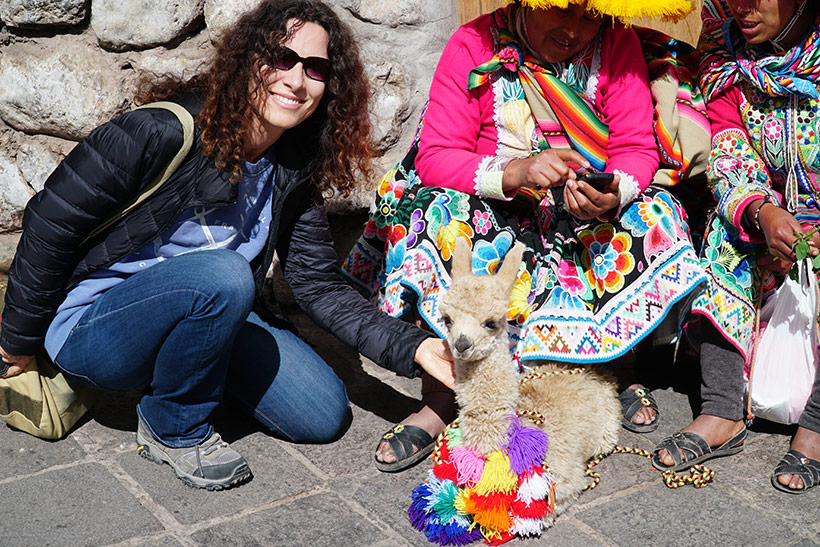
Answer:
[(581, 410)]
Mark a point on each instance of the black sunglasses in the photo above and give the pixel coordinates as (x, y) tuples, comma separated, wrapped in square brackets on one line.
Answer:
[(316, 68)]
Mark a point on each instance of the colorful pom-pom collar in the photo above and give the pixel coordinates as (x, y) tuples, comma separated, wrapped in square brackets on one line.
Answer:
[(468, 497)]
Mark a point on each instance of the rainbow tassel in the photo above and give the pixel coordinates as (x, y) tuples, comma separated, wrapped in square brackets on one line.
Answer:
[(527, 527), (491, 512), (470, 465), (446, 470), (467, 497), (535, 485), (534, 510), (497, 475), (527, 446)]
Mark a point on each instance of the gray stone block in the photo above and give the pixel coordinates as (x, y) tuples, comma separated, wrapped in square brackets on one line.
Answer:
[(22, 454), (322, 519), (277, 475), (386, 496), (81, 505), (684, 517), (358, 446), (566, 534)]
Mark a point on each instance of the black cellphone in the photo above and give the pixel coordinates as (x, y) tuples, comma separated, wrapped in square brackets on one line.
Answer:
[(597, 180)]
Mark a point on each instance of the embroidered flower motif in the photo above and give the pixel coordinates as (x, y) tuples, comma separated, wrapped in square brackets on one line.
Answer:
[(445, 217), (572, 290), (656, 217), (481, 221), (606, 258), (447, 235), (416, 227), (726, 264), (522, 298), (389, 192), (487, 256), (396, 248)]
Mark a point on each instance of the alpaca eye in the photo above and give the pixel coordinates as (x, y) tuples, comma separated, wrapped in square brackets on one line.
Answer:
[(490, 325), (447, 321)]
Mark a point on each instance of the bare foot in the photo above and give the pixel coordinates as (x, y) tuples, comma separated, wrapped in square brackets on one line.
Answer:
[(715, 431), (437, 410), (807, 442), (645, 415)]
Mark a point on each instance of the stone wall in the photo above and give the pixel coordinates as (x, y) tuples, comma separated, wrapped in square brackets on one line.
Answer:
[(67, 66)]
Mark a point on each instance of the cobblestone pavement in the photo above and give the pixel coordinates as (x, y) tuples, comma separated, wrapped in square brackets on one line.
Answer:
[(92, 489)]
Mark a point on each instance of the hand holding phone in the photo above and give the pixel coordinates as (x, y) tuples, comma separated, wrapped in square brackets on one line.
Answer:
[(597, 180)]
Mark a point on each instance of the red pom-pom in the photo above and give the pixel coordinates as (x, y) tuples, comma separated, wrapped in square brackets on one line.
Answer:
[(535, 510)]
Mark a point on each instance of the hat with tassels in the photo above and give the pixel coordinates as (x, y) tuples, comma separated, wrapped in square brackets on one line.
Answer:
[(626, 9)]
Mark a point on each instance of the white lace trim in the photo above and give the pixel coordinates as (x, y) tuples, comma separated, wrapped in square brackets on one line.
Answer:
[(594, 71), (627, 188), (489, 177)]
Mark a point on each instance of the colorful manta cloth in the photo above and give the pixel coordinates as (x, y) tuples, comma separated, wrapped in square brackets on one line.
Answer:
[(587, 133), (468, 497), (728, 60)]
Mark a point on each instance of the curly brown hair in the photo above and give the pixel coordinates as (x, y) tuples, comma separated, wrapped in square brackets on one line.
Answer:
[(339, 129)]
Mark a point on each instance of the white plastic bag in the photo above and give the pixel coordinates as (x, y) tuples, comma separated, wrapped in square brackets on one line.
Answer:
[(786, 358)]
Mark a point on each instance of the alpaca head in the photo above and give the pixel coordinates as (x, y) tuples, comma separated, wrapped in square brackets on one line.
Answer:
[(474, 309)]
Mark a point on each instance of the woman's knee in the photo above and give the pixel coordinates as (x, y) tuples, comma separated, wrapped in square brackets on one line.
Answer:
[(317, 415), (223, 278)]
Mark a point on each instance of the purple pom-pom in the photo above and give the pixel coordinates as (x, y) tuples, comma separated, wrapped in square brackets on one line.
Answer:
[(526, 447)]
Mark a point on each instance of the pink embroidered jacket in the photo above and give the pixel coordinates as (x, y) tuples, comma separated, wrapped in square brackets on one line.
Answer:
[(469, 137)]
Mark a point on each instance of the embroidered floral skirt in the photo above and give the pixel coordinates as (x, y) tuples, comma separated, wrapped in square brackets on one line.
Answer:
[(731, 293), (586, 292), (731, 299)]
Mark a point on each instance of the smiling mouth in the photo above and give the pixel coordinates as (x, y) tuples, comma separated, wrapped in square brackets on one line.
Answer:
[(286, 100), (748, 24), (562, 44)]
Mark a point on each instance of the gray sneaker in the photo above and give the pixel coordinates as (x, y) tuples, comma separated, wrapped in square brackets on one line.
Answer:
[(211, 464)]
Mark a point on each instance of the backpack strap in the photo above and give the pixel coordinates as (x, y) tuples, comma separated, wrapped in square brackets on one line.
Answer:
[(187, 122)]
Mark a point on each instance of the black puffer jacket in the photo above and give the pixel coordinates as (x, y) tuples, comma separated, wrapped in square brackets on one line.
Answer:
[(112, 164)]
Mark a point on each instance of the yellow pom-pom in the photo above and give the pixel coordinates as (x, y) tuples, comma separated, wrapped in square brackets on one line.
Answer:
[(497, 475), (460, 502)]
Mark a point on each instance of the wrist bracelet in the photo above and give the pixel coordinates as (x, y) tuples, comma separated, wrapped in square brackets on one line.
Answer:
[(756, 217)]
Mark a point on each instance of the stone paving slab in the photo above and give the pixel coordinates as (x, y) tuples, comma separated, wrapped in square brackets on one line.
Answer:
[(319, 520), (78, 505), (684, 517)]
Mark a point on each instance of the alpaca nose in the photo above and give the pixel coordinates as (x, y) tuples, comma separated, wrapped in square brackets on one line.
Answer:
[(462, 343)]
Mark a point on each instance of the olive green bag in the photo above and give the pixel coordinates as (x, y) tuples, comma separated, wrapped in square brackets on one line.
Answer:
[(41, 400)]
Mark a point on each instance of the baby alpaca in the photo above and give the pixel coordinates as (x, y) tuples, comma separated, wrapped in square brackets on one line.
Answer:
[(581, 411)]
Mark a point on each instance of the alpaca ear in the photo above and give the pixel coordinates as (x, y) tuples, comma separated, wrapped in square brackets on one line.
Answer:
[(508, 271), (462, 258)]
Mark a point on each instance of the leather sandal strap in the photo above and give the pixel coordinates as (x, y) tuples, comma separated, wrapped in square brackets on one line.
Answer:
[(684, 446), (403, 438), (795, 462), (632, 400)]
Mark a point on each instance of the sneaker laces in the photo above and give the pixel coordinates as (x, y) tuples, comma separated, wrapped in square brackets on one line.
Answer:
[(212, 444)]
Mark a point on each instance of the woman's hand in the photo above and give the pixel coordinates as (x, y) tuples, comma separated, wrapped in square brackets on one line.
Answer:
[(779, 228), (434, 356), (547, 169), (18, 363), (585, 202)]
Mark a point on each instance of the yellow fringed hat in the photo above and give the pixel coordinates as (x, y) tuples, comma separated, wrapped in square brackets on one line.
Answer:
[(672, 10)]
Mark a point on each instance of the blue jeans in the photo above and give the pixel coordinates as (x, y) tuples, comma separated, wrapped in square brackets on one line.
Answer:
[(185, 328)]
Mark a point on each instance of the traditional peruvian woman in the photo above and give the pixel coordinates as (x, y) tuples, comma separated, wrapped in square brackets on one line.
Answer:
[(760, 74), (529, 105)]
